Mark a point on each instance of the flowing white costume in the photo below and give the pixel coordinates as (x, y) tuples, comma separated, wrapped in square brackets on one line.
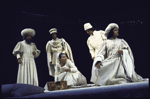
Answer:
[(94, 42), (95, 39), (53, 48), (116, 68), (73, 78), (27, 72)]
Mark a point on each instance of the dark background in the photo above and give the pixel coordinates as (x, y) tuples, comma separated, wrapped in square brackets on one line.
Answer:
[(69, 17)]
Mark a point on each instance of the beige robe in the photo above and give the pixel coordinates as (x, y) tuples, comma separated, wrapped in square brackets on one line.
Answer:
[(53, 48), (94, 42), (116, 68), (27, 73)]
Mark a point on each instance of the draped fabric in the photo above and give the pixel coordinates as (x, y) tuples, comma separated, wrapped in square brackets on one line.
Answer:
[(116, 68), (53, 48)]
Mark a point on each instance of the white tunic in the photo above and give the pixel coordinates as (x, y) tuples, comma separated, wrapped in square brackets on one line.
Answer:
[(116, 68), (94, 42), (53, 48), (73, 78), (27, 73)]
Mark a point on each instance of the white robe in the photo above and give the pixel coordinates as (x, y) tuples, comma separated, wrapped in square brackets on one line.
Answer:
[(116, 68), (94, 42), (73, 78), (27, 73), (53, 48)]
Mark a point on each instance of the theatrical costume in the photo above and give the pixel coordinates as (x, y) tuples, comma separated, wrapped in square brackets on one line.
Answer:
[(27, 73), (94, 41), (116, 68), (73, 78), (54, 47)]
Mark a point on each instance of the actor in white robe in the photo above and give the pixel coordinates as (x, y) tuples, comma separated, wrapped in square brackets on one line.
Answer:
[(73, 77), (95, 39), (54, 47), (116, 68), (27, 73)]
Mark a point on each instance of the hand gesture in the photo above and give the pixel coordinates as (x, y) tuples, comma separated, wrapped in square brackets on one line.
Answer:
[(98, 65), (67, 70), (19, 61), (50, 63), (33, 53), (120, 52), (93, 58)]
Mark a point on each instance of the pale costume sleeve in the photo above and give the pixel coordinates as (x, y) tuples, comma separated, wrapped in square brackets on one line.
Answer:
[(91, 49), (101, 52), (67, 49), (48, 51), (103, 35), (72, 67), (17, 50), (49, 59), (36, 51)]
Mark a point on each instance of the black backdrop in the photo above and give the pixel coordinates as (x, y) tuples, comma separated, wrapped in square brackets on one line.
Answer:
[(68, 18)]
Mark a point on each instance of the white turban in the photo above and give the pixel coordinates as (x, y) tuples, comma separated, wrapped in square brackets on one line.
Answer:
[(87, 26), (109, 27), (53, 30), (28, 31)]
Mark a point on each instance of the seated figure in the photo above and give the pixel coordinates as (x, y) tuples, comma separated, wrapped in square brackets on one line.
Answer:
[(118, 67), (65, 70)]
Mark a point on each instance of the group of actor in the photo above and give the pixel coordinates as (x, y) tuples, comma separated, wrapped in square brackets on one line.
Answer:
[(113, 61)]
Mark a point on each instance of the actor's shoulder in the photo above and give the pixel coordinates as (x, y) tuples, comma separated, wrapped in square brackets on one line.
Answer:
[(21, 42), (63, 39), (101, 30), (49, 41), (123, 40), (33, 43)]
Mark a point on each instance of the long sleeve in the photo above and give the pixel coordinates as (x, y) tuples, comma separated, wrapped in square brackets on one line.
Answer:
[(91, 49), (36, 51), (101, 53), (17, 50), (48, 50), (73, 68)]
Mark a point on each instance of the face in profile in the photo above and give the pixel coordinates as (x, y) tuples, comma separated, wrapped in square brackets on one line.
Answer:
[(63, 58), (54, 35), (28, 38), (89, 32), (115, 32)]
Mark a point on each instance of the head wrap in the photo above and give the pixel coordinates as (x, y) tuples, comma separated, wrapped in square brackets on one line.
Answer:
[(28, 31), (109, 27), (53, 30)]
